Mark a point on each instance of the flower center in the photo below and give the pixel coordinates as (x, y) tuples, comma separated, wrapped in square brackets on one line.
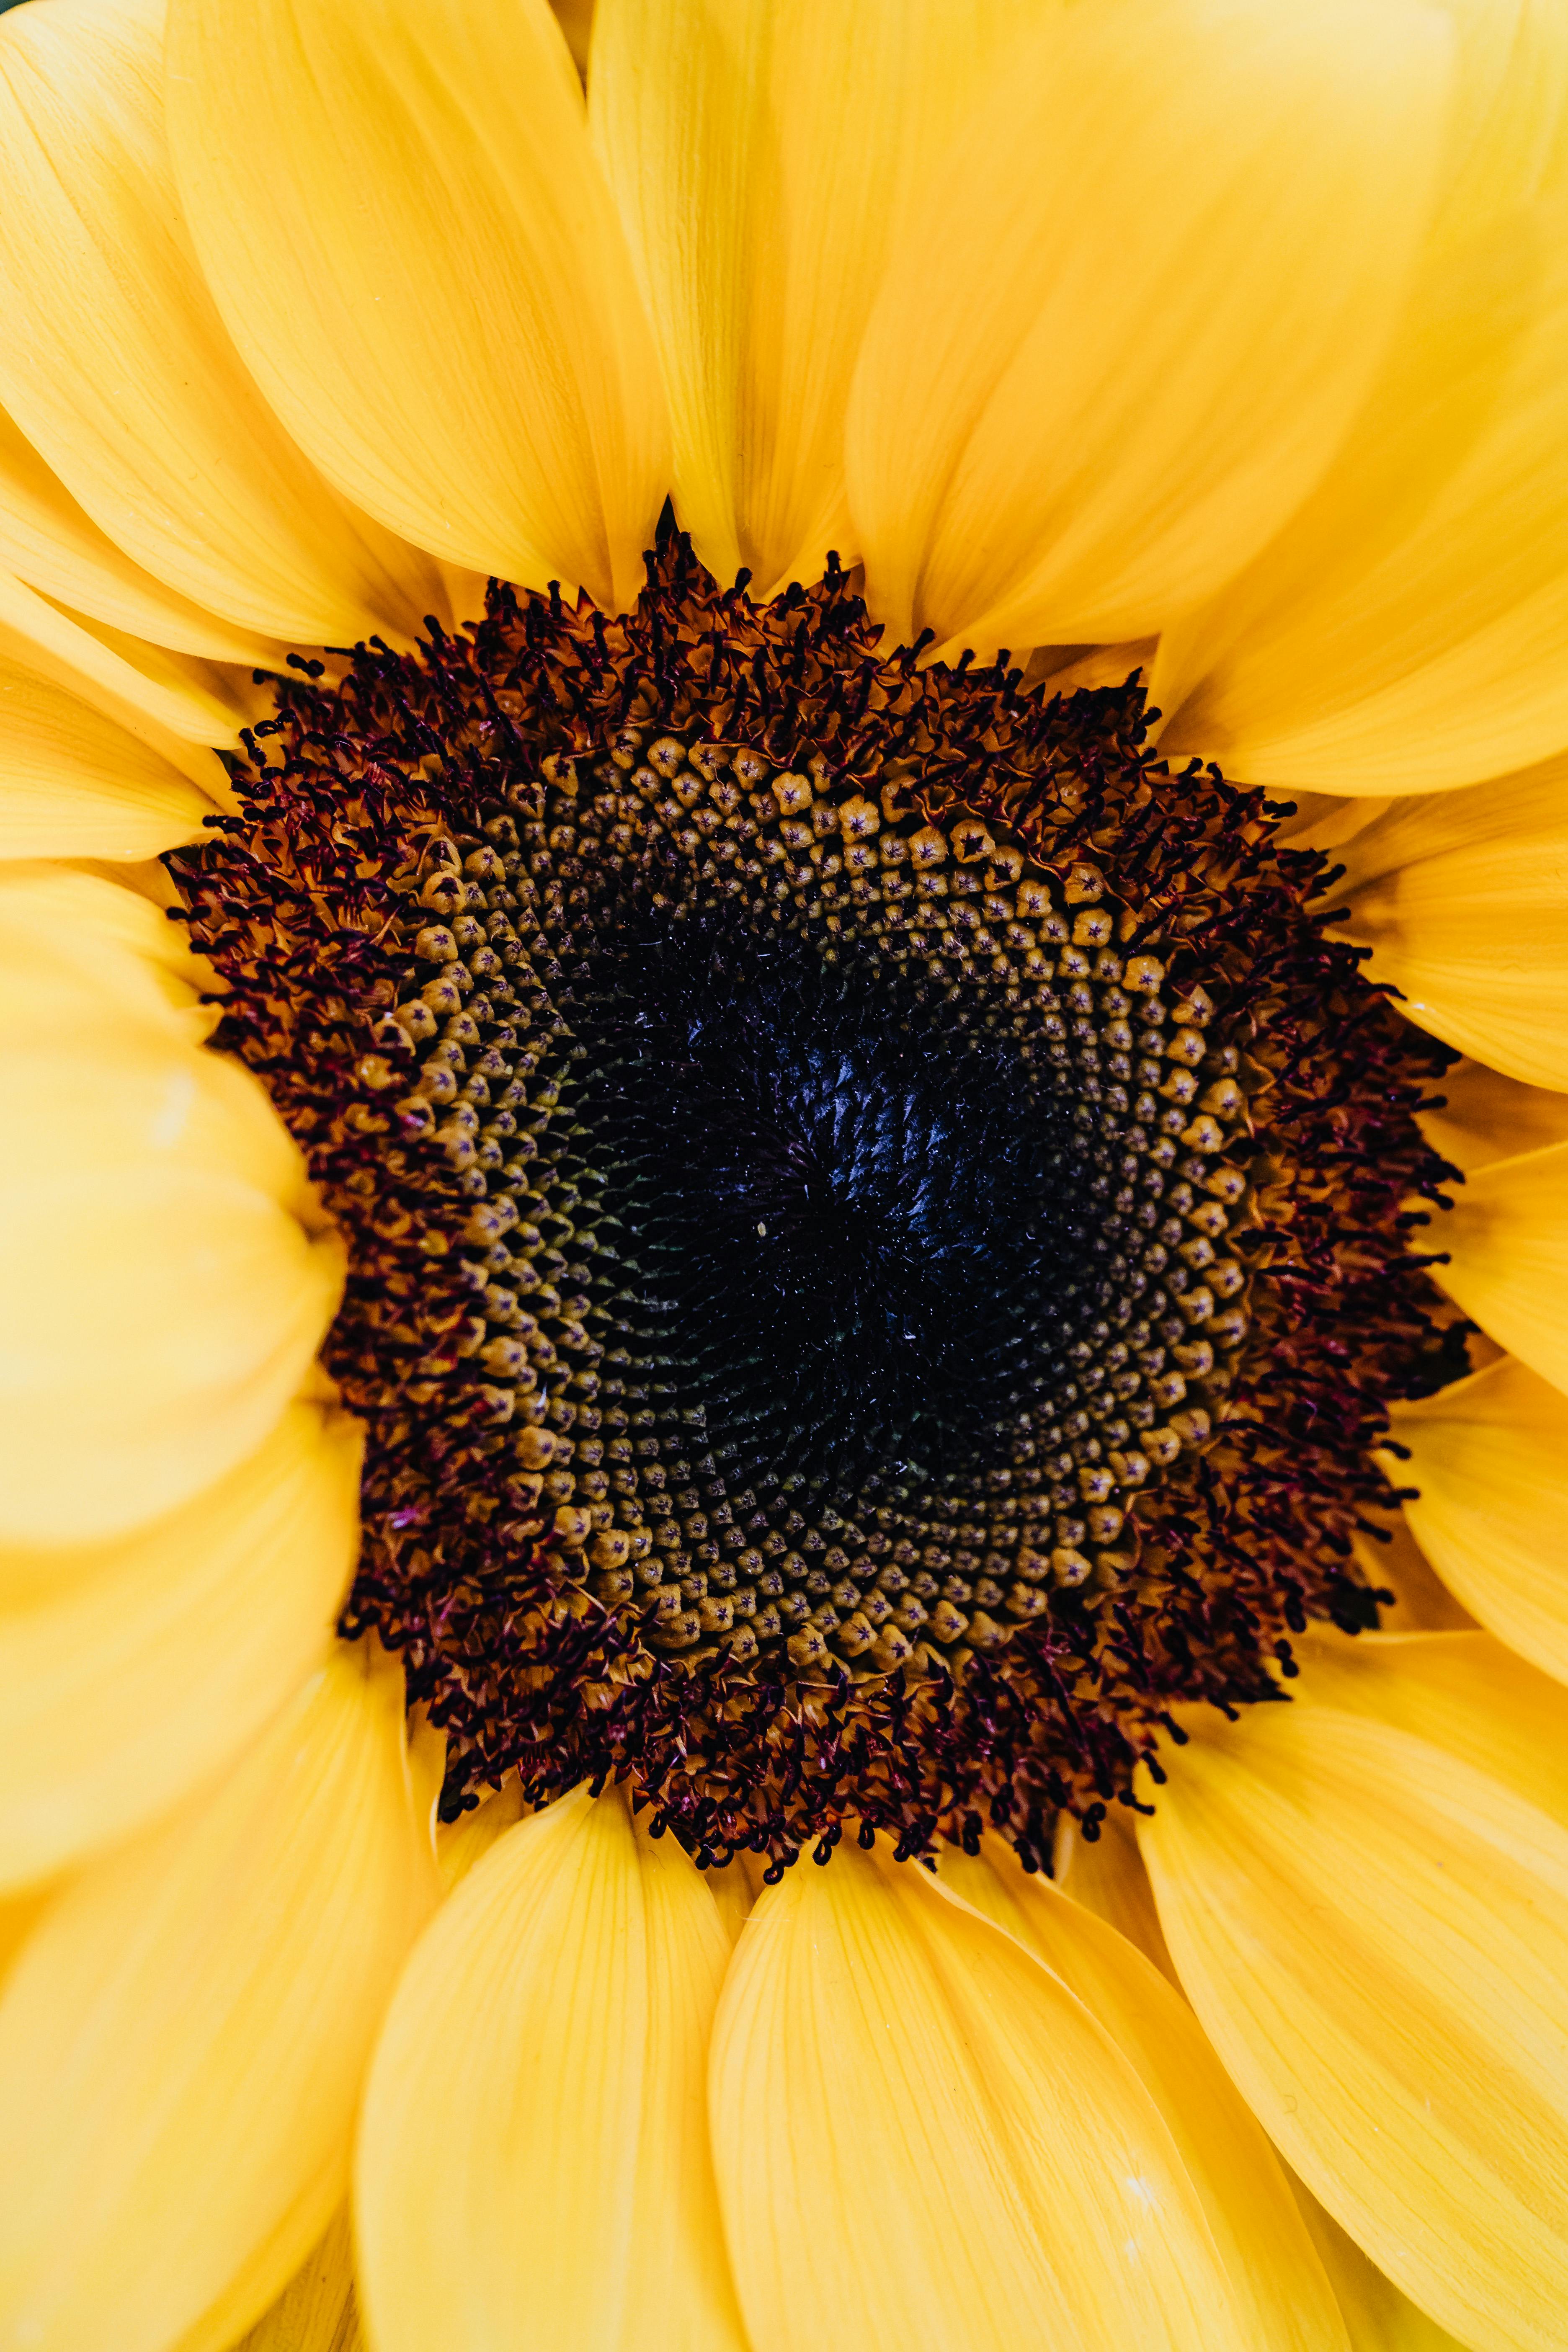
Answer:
[(879, 1225)]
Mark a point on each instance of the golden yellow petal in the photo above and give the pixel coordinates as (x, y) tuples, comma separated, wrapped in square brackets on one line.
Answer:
[(764, 155), (533, 2163), (1106, 1875), (1489, 1456), (75, 782), (1465, 1692), (1120, 342), (1506, 1243), (94, 936), (164, 1298), (316, 2313), (460, 1844), (183, 2038), (1401, 633), (130, 1670), (48, 541), (1374, 1936), (428, 279), (1487, 1117), (1379, 2318), (1463, 900), (115, 364), (1284, 2298), (924, 2139)]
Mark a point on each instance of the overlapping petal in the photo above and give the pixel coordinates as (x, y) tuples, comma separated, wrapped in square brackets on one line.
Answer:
[(1507, 1265), (131, 1670), (116, 365), (1120, 341), (183, 2038), (901, 2089), (766, 159), (1463, 900), (166, 1278), (1284, 2297), (533, 2156), (1374, 1936), (1490, 1460), (1401, 633), (77, 783), (428, 279)]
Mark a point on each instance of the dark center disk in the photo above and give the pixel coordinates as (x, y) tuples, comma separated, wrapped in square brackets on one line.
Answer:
[(857, 1239), (880, 1227)]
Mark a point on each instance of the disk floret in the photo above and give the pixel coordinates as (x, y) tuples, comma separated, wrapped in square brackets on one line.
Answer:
[(880, 1223)]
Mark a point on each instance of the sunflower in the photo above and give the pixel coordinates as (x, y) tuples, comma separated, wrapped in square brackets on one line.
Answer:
[(786, 1051)]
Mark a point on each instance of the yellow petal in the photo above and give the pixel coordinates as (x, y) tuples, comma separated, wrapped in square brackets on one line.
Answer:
[(134, 1669), (534, 2162), (1506, 1239), (272, 2263), (1379, 2318), (1402, 635), (923, 2140), (1463, 900), (460, 1844), (164, 1298), (183, 2038), (316, 2313), (428, 279), (112, 939), (1374, 1936), (764, 157), (1120, 342), (1490, 1459), (1486, 1116), (115, 364), (1465, 1692), (48, 541), (1283, 2296), (166, 700), (1106, 1875), (77, 784), (1505, 143)]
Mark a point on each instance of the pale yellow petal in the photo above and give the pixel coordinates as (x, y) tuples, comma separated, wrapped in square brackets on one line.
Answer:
[(48, 541), (766, 156), (1402, 633), (1282, 2294), (1463, 900), (1507, 1244), (1489, 1457), (1505, 143), (316, 2313), (1374, 1936), (112, 939), (428, 279), (1120, 342), (183, 2038), (1378, 2317), (924, 2140), (165, 699), (533, 2163), (266, 2271), (128, 1671), (77, 784), (165, 1298), (115, 364)]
